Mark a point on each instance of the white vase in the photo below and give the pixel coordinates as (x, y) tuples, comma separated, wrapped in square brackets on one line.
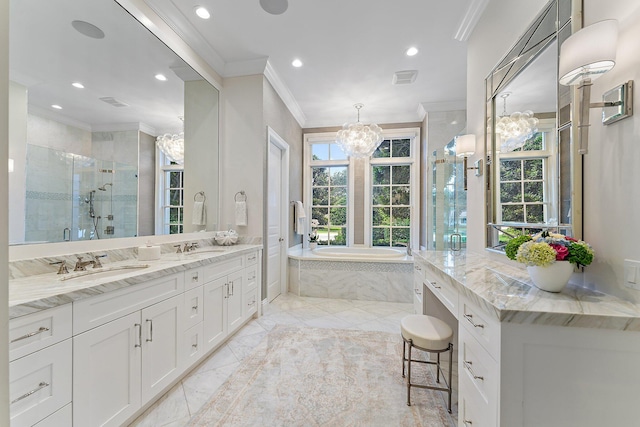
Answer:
[(551, 278), (313, 245)]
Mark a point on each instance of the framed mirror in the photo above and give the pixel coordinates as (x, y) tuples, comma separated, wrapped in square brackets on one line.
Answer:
[(91, 90), (533, 178)]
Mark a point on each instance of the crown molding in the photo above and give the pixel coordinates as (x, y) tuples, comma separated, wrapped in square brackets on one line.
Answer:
[(470, 19), (443, 106), (58, 117)]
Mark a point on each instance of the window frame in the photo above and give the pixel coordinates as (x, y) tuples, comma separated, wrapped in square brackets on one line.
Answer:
[(163, 166)]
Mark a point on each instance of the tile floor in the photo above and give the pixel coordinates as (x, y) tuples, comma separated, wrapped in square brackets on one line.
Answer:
[(177, 406)]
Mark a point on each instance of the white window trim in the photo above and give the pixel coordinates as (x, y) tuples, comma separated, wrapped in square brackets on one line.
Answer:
[(414, 135), (160, 191)]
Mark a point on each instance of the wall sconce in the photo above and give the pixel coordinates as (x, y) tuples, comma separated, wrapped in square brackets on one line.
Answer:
[(465, 147), (585, 56)]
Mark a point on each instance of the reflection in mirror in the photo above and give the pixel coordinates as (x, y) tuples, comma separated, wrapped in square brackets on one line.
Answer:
[(531, 175), (90, 91)]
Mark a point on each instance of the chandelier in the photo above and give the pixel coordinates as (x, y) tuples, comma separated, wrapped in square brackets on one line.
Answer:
[(516, 129), (172, 146), (358, 140)]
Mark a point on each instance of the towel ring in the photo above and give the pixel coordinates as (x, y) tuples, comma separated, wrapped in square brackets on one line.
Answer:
[(199, 193), (243, 196)]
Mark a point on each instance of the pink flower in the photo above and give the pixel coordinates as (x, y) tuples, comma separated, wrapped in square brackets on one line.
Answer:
[(561, 251)]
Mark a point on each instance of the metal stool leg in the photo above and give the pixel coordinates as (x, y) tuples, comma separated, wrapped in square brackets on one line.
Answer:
[(409, 375), (404, 352), (450, 369), (438, 369)]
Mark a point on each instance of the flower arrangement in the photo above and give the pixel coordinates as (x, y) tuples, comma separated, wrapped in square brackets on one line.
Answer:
[(544, 249), (313, 237)]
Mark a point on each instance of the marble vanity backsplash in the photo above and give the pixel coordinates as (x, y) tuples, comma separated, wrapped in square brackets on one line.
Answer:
[(20, 269)]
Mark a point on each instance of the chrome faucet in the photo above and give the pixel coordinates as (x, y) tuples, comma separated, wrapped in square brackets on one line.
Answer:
[(408, 246), (96, 260), (81, 265), (63, 266), (189, 247)]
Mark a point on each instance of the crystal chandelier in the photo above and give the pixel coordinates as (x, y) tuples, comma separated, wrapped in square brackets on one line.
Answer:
[(358, 140), (516, 129), (172, 146)]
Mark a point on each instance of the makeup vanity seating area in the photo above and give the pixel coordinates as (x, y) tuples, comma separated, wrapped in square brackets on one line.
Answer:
[(528, 357), (98, 348)]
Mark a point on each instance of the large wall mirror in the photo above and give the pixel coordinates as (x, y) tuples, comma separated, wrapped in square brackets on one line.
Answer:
[(534, 173), (91, 90)]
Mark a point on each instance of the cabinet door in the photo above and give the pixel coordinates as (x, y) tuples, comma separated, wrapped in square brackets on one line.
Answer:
[(215, 312), (106, 373), (162, 335), (235, 285)]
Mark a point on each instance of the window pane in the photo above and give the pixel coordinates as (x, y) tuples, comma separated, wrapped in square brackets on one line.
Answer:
[(401, 174), (339, 196), (513, 213), (319, 151), (338, 176), (380, 196), (321, 214), (336, 153), (175, 179), (383, 150), (533, 191), (535, 213), (320, 176), (510, 170), (401, 148), (338, 216), (323, 235), (400, 195), (533, 169), (320, 196), (340, 237), (401, 216), (381, 175), (380, 237), (175, 197), (510, 192), (399, 235), (381, 216), (536, 142)]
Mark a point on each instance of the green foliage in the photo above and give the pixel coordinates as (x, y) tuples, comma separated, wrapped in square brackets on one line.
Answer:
[(580, 253), (512, 247), (538, 254)]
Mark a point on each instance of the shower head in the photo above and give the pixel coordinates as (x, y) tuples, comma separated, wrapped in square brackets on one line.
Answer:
[(104, 186)]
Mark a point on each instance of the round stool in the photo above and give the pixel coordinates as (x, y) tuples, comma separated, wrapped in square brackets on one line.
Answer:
[(428, 334)]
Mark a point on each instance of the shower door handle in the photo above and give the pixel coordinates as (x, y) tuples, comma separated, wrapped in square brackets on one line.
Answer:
[(455, 241), (66, 234)]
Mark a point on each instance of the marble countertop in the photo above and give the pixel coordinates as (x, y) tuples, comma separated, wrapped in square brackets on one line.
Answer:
[(40, 292), (310, 255), (506, 292)]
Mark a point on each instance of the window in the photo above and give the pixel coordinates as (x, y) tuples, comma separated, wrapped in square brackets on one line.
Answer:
[(171, 197), (522, 189), (390, 193), (329, 193), (369, 202)]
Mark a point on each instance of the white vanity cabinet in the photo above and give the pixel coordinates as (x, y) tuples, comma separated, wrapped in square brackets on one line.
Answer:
[(418, 280)]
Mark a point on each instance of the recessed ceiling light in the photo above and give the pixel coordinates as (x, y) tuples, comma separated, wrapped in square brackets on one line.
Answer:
[(455, 122), (202, 12), (296, 63), (274, 7), (56, 106), (161, 77), (412, 51), (77, 85), (88, 29)]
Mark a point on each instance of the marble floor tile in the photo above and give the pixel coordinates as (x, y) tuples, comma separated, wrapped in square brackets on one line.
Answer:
[(221, 358), (199, 387), (355, 316), (170, 408), (329, 322), (244, 345)]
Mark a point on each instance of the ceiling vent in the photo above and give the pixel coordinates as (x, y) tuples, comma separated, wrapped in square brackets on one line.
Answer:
[(112, 101), (404, 77)]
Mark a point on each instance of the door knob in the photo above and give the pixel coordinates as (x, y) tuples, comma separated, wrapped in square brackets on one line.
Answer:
[(280, 239)]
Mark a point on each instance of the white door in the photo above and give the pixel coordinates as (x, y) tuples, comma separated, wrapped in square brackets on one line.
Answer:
[(106, 373), (162, 351), (278, 184)]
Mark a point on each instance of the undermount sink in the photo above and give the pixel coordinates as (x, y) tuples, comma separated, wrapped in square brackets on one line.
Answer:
[(100, 273)]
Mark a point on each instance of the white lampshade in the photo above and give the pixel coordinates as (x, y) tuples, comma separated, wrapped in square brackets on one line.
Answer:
[(588, 53), (465, 145)]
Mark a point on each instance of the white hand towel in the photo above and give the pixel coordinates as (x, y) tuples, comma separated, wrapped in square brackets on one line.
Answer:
[(199, 216), (300, 217), (241, 213)]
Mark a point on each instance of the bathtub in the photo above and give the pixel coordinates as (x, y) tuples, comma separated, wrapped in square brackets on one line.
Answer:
[(358, 273)]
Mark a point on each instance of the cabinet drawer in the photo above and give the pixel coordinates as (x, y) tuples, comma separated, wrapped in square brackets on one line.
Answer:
[(61, 418), (217, 270), (481, 326), (193, 278), (250, 303), (471, 411), (193, 345), (251, 258), (252, 277), (40, 384), (443, 291), (39, 330), (480, 373), (193, 306), (98, 310)]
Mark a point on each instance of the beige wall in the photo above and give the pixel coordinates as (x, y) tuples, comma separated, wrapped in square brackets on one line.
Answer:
[(611, 173), (4, 223), (146, 184)]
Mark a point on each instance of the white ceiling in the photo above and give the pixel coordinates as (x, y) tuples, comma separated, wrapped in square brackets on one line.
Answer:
[(350, 50)]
